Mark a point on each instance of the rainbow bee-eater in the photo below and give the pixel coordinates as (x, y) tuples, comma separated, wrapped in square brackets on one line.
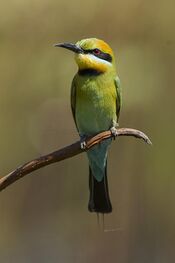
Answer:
[(95, 103)]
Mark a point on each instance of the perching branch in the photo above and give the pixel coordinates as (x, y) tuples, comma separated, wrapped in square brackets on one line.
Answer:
[(65, 153)]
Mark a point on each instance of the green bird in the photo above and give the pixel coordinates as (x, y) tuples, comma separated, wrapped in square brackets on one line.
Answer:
[(95, 103)]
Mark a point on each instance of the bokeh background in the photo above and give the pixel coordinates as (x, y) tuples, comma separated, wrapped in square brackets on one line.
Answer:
[(44, 216)]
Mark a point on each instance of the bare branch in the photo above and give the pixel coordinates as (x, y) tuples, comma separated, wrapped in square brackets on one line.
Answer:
[(65, 153)]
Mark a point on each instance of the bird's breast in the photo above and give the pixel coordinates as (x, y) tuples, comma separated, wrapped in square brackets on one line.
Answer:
[(95, 106)]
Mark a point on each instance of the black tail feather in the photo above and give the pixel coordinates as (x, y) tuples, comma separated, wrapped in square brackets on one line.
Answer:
[(99, 194)]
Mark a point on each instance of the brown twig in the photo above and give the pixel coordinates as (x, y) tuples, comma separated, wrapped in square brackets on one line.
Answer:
[(65, 153)]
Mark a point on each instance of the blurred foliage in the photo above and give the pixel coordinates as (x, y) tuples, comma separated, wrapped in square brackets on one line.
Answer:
[(44, 216)]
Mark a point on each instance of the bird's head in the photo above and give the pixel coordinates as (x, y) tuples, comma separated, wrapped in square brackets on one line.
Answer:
[(92, 53)]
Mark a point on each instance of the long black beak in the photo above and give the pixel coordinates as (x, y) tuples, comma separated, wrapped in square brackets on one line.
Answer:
[(70, 46)]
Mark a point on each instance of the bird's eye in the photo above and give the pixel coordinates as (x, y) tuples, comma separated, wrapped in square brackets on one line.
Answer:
[(96, 51)]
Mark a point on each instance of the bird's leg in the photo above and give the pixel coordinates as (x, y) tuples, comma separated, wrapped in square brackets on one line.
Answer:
[(113, 129), (82, 142)]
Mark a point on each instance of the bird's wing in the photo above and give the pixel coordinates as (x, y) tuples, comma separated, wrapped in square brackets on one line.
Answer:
[(73, 100), (119, 96)]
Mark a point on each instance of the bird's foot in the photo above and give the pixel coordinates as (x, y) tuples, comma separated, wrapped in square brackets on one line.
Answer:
[(114, 132), (82, 142), (83, 145)]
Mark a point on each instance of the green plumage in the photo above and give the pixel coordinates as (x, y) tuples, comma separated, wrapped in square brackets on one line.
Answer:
[(95, 102)]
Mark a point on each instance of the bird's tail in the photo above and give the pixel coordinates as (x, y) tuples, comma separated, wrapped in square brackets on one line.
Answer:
[(99, 194)]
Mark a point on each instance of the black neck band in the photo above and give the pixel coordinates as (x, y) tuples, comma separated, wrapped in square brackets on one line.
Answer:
[(89, 72)]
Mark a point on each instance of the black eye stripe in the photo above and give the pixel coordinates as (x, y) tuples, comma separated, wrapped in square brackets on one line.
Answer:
[(105, 56), (102, 55)]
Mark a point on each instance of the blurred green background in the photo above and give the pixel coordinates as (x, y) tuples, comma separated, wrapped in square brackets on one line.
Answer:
[(44, 216)]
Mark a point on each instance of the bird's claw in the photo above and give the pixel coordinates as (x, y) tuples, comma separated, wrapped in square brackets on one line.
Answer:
[(114, 132), (83, 145)]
